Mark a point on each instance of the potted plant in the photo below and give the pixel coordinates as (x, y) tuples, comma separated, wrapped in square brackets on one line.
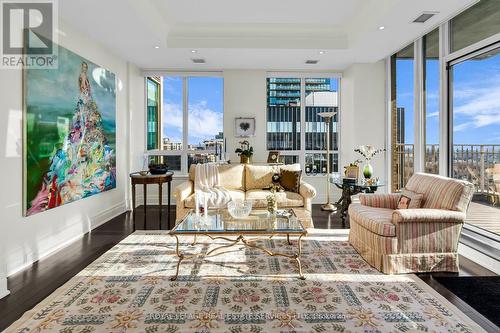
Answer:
[(368, 152), (245, 151)]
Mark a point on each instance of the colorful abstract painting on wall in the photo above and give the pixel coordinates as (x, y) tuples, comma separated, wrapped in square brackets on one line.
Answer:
[(70, 131)]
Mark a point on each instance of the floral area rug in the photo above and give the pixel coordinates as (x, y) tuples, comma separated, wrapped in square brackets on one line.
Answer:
[(128, 289)]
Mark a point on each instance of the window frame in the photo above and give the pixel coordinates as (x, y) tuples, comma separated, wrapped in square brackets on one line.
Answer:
[(477, 239), (184, 152), (301, 153)]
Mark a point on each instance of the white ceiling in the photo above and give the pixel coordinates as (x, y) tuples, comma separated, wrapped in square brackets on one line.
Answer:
[(255, 34)]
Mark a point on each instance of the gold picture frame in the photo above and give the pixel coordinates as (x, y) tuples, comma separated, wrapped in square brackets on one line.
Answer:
[(352, 171), (273, 157)]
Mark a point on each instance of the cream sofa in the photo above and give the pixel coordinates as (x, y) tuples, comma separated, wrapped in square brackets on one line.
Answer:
[(412, 240), (245, 181)]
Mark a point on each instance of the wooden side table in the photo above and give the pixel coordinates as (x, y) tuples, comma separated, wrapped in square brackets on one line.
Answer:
[(137, 179)]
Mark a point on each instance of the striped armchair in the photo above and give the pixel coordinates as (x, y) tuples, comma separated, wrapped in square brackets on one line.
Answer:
[(412, 240)]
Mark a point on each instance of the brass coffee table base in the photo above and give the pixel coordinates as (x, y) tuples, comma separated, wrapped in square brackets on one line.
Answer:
[(246, 242)]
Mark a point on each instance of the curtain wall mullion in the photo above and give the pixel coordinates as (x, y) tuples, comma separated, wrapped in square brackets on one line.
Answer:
[(444, 115), (185, 123), (419, 113)]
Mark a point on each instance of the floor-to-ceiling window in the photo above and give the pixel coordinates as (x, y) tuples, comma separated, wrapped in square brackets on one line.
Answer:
[(430, 44), (474, 109), (191, 121), (293, 125), (456, 67), (402, 117), (475, 120)]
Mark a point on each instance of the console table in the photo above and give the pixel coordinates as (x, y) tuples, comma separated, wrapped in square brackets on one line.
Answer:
[(349, 189), (138, 179)]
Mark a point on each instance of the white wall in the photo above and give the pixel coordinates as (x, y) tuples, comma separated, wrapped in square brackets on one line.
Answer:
[(363, 116), (27, 239)]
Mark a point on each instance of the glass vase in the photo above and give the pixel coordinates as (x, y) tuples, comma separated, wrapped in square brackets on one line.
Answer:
[(368, 170)]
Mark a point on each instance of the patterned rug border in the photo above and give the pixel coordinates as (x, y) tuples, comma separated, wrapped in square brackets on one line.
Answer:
[(311, 232)]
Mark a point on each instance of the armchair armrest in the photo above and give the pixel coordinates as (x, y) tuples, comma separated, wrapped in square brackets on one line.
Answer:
[(307, 190), (426, 215), (380, 200), (183, 191)]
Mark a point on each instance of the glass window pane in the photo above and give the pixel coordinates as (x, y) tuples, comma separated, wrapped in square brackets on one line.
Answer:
[(283, 113), (205, 112), (153, 102), (316, 163), (476, 134), (172, 113), (289, 159), (431, 104), (475, 24), (321, 96), (173, 162), (402, 116)]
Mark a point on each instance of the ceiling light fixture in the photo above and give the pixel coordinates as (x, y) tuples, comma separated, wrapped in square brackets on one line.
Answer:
[(193, 51), (321, 52), (381, 27), (157, 47)]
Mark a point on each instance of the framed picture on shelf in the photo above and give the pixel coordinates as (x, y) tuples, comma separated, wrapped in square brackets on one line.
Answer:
[(244, 127), (352, 171), (273, 157)]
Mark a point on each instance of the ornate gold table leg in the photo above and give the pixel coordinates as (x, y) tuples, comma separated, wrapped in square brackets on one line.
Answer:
[(297, 258), (181, 257), (288, 239)]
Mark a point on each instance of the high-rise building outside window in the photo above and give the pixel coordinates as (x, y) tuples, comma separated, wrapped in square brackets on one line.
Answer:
[(293, 124)]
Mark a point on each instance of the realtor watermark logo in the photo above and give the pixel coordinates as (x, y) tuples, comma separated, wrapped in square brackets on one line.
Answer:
[(28, 34)]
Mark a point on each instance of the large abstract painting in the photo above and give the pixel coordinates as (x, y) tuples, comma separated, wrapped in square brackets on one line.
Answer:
[(69, 126)]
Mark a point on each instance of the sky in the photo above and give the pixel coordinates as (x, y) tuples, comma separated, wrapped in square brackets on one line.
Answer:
[(205, 104), (476, 100)]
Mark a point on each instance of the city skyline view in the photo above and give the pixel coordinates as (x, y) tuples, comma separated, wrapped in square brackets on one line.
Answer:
[(205, 108)]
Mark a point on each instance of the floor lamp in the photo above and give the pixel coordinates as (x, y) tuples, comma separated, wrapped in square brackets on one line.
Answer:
[(327, 116)]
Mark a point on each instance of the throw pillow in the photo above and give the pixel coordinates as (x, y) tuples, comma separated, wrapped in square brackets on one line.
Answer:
[(410, 200), (290, 180)]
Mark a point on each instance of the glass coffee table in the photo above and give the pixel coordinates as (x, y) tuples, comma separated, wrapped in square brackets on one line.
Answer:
[(218, 224)]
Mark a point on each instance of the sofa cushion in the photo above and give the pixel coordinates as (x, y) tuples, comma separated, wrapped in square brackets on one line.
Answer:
[(231, 176), (235, 195), (377, 220), (258, 177), (284, 199), (410, 200), (290, 180)]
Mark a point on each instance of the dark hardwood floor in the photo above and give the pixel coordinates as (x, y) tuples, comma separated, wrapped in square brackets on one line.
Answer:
[(35, 283)]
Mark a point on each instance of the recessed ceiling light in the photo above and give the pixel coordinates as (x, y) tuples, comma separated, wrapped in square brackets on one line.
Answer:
[(157, 47), (321, 52), (381, 27), (193, 51)]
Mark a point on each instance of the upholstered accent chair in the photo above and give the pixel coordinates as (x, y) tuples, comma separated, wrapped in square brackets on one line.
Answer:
[(412, 240)]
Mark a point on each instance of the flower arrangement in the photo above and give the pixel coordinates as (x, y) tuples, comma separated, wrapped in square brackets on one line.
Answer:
[(368, 151), (272, 203), (245, 151)]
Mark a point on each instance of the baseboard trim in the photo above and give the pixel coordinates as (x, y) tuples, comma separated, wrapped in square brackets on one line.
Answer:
[(95, 221), (3, 287)]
